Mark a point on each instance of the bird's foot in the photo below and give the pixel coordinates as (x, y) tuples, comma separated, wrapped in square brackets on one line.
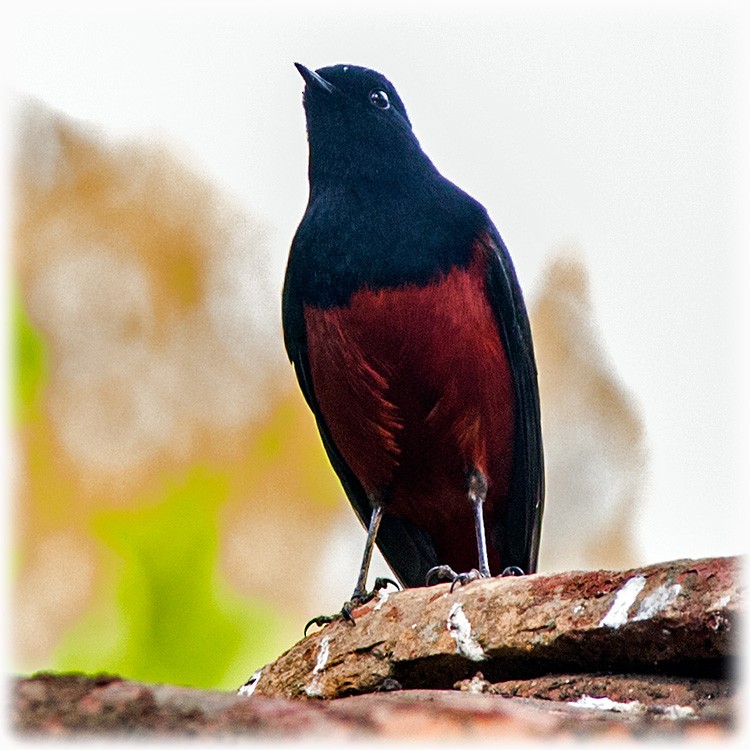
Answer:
[(357, 600), (446, 573)]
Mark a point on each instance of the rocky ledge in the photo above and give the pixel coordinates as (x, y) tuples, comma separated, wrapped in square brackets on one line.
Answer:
[(638, 652)]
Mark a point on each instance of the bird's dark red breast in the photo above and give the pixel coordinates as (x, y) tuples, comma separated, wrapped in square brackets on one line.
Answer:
[(415, 387)]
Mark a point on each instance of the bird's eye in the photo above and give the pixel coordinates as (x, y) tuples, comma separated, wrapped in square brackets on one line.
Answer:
[(379, 99)]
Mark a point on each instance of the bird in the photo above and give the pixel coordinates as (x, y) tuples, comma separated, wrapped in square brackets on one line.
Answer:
[(406, 327)]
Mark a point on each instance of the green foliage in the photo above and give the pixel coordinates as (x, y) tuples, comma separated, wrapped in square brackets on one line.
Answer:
[(165, 615), (161, 611), (30, 366)]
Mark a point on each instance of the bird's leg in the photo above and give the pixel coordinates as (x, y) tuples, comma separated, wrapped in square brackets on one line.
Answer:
[(477, 493), (360, 594), (361, 586)]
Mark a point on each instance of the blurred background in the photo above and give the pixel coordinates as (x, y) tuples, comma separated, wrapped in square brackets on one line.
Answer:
[(173, 516)]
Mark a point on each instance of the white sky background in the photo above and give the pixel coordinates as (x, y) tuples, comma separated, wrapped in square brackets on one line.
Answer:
[(618, 133)]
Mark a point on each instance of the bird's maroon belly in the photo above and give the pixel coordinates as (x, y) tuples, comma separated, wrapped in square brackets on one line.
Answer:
[(415, 387)]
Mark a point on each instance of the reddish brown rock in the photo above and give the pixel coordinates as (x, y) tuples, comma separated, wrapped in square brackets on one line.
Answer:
[(675, 617), (636, 653), (657, 695), (74, 705)]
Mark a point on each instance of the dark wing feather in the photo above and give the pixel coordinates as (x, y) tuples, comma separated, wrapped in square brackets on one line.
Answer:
[(516, 535), (408, 550)]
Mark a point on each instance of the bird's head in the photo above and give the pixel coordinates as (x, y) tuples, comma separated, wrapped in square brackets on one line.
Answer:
[(356, 124)]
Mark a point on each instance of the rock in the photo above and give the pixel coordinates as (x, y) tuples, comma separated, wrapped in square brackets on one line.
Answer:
[(645, 652), (672, 618), (658, 695), (76, 705)]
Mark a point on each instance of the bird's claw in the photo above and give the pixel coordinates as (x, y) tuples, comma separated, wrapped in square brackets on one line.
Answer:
[(382, 583), (463, 578), (321, 620), (446, 573), (357, 600), (439, 573)]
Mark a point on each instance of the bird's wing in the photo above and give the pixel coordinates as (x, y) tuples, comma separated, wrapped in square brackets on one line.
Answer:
[(409, 550), (516, 535)]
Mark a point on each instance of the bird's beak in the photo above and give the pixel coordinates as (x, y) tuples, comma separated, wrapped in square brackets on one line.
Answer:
[(313, 79)]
